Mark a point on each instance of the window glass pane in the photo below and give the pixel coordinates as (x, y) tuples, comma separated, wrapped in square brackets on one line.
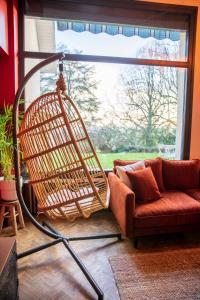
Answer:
[(105, 39), (131, 112)]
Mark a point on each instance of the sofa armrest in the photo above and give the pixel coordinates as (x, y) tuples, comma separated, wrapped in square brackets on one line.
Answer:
[(122, 203)]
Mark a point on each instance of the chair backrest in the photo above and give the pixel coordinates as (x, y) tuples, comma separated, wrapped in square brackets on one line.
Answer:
[(63, 167)]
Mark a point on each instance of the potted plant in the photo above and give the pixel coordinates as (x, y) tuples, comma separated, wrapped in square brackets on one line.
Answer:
[(7, 183)]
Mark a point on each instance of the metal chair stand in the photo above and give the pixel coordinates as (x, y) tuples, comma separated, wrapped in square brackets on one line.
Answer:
[(45, 227), (66, 242)]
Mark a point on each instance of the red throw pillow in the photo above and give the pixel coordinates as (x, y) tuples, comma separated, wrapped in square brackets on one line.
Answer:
[(144, 185), (180, 174)]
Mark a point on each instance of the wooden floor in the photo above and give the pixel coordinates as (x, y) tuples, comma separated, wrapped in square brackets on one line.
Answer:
[(52, 274)]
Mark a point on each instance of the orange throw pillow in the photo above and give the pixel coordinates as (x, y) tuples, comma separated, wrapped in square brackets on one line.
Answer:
[(144, 185)]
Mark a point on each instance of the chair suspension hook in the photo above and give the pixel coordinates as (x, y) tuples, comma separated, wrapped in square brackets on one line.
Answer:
[(60, 64)]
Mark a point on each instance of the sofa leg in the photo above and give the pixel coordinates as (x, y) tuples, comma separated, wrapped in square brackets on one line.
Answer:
[(135, 243)]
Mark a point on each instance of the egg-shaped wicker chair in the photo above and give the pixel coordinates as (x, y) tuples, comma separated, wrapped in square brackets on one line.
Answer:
[(63, 168)]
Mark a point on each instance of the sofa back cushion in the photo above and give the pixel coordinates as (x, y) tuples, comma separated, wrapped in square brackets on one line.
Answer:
[(144, 185), (156, 167), (121, 162), (180, 174), (155, 164)]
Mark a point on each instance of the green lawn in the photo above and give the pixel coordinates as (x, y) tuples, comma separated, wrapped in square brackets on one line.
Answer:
[(106, 159)]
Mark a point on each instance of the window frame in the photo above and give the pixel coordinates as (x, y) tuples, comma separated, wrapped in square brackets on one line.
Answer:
[(78, 5)]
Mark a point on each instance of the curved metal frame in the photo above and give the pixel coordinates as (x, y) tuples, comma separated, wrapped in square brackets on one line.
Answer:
[(51, 232), (15, 143)]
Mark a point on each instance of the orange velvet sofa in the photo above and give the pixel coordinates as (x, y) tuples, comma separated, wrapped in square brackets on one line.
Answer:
[(177, 210)]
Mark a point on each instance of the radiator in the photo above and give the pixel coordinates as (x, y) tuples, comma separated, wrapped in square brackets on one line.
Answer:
[(29, 197)]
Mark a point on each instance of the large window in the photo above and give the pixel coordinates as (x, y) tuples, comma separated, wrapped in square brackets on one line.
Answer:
[(130, 82)]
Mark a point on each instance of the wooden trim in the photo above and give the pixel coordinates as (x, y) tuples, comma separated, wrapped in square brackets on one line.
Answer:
[(21, 43), (190, 87), (110, 59), (138, 4), (128, 12), (6, 246)]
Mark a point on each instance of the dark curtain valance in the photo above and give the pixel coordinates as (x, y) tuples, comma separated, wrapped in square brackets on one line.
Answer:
[(130, 12), (112, 29)]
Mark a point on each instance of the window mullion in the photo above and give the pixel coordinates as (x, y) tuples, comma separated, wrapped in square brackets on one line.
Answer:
[(110, 59)]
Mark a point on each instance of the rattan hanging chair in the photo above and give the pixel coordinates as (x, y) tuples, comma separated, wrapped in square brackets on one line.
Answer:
[(63, 168)]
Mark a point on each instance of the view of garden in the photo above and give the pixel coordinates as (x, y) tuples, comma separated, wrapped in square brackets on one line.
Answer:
[(107, 159), (130, 110)]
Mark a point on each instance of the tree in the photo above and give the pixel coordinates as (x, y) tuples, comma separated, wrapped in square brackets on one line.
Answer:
[(81, 85), (151, 98)]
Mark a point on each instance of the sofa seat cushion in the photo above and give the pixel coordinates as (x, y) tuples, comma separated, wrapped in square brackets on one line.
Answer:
[(173, 208), (194, 193)]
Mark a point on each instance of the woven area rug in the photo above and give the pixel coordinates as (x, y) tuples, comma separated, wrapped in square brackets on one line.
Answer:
[(159, 275)]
